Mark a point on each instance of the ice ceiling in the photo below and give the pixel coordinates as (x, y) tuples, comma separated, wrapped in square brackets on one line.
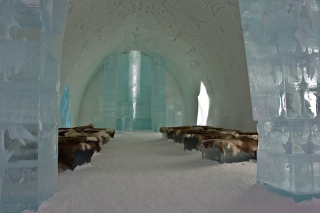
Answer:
[(201, 40)]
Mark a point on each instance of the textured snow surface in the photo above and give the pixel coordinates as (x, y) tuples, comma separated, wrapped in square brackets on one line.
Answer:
[(141, 172)]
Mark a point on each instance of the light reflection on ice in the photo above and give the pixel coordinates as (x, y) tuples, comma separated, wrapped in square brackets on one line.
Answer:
[(203, 106)]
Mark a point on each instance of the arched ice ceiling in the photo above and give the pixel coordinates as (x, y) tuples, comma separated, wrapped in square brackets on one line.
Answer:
[(200, 40)]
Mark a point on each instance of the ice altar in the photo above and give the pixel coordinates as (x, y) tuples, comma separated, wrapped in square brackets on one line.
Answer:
[(30, 53), (133, 92), (282, 41)]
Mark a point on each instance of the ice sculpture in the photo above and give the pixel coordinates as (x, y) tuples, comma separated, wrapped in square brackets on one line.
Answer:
[(65, 108), (31, 35), (282, 42)]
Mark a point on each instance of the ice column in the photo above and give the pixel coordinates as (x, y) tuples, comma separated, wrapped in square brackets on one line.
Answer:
[(134, 86), (65, 108), (159, 105), (31, 37), (282, 41)]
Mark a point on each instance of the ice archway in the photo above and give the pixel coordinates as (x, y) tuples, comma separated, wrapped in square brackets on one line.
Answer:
[(200, 40)]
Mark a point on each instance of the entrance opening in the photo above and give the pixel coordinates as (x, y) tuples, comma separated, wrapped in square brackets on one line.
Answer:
[(203, 106)]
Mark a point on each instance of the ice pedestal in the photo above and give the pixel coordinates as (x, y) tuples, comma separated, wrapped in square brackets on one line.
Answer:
[(31, 39), (282, 42)]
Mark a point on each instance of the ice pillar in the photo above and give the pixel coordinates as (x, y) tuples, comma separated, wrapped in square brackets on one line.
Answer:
[(65, 108), (159, 105), (282, 41), (134, 86), (31, 37)]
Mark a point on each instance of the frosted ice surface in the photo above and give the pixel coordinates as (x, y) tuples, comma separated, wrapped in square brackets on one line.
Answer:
[(282, 41), (29, 90)]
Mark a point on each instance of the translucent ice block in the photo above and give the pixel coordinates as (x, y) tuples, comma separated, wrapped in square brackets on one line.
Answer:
[(282, 41), (110, 92), (31, 38), (159, 108)]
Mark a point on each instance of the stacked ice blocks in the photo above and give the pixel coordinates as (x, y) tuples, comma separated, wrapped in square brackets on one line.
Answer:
[(282, 42), (31, 38)]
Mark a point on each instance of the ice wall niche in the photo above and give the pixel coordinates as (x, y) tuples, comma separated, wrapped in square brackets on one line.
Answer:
[(282, 41), (31, 36)]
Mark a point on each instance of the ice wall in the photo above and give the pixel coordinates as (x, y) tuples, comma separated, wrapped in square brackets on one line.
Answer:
[(136, 86), (159, 98), (123, 113), (92, 99), (31, 38), (282, 41), (108, 117), (65, 108)]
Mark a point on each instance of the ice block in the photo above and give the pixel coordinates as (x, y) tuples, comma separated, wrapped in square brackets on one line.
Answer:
[(31, 38), (282, 43)]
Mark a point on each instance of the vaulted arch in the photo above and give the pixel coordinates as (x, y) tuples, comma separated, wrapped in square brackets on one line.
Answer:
[(200, 40)]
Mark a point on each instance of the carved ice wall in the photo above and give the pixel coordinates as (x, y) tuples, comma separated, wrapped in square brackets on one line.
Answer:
[(282, 40), (31, 36)]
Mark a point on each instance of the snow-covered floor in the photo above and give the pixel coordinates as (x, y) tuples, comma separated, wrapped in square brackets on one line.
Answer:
[(142, 173)]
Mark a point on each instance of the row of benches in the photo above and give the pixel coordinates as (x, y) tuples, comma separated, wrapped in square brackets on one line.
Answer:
[(218, 144), (77, 145)]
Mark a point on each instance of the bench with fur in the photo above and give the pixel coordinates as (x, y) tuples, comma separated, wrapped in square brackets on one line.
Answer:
[(76, 145), (223, 145)]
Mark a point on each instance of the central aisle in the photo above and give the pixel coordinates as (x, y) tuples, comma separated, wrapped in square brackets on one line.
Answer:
[(141, 172)]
